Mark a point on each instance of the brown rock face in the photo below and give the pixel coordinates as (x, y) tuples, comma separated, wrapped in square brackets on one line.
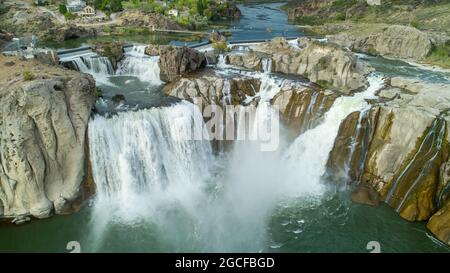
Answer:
[(209, 88), (43, 123), (175, 62), (439, 224), (400, 149), (302, 108)]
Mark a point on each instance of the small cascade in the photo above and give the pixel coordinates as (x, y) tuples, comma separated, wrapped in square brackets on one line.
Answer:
[(359, 146), (91, 63), (94, 64), (266, 64), (309, 152), (422, 163), (222, 61), (137, 63)]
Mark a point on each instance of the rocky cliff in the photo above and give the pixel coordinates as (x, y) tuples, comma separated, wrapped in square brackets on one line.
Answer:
[(401, 151), (43, 120)]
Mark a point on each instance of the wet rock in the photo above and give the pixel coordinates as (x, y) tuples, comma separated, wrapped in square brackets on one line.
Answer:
[(406, 143), (302, 107), (22, 219), (175, 62), (325, 64), (118, 98), (439, 224), (251, 60), (209, 88), (366, 195), (112, 50)]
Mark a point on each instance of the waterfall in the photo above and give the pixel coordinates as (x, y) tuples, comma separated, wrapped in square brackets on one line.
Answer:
[(91, 63), (94, 65), (144, 159), (137, 63), (266, 65), (309, 152)]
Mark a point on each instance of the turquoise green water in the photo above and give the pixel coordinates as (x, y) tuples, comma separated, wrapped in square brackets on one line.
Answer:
[(329, 223), (332, 224)]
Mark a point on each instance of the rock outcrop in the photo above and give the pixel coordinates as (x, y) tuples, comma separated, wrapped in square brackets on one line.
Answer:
[(206, 88), (325, 64), (400, 148), (307, 8), (138, 18), (175, 62), (24, 21), (43, 119), (112, 50), (439, 224), (61, 33), (4, 38), (302, 107), (394, 41)]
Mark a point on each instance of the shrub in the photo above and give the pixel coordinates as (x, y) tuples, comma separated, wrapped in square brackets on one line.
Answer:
[(63, 9), (28, 75), (220, 46)]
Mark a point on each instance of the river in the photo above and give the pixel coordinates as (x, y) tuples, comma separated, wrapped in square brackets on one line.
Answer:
[(157, 194)]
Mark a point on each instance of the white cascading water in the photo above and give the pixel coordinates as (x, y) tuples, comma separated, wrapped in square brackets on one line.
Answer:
[(91, 63), (309, 152), (147, 154), (143, 172), (137, 63)]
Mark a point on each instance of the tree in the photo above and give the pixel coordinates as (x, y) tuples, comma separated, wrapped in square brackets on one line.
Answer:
[(201, 6), (62, 9), (116, 5)]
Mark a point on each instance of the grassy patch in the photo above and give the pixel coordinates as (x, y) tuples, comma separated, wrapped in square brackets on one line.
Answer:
[(220, 47), (440, 55), (28, 75)]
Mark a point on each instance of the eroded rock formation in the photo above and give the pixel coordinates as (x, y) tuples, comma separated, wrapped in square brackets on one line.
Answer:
[(209, 88), (400, 148), (43, 120), (394, 41), (176, 61), (326, 64)]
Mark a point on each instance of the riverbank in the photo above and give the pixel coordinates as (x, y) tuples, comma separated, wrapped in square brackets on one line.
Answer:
[(357, 21)]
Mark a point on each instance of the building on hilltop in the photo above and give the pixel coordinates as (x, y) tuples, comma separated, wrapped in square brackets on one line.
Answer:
[(75, 6)]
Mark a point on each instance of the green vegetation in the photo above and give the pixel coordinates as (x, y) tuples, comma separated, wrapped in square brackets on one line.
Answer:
[(194, 14), (220, 47), (28, 75), (422, 14), (98, 92), (67, 14), (440, 55), (107, 6)]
